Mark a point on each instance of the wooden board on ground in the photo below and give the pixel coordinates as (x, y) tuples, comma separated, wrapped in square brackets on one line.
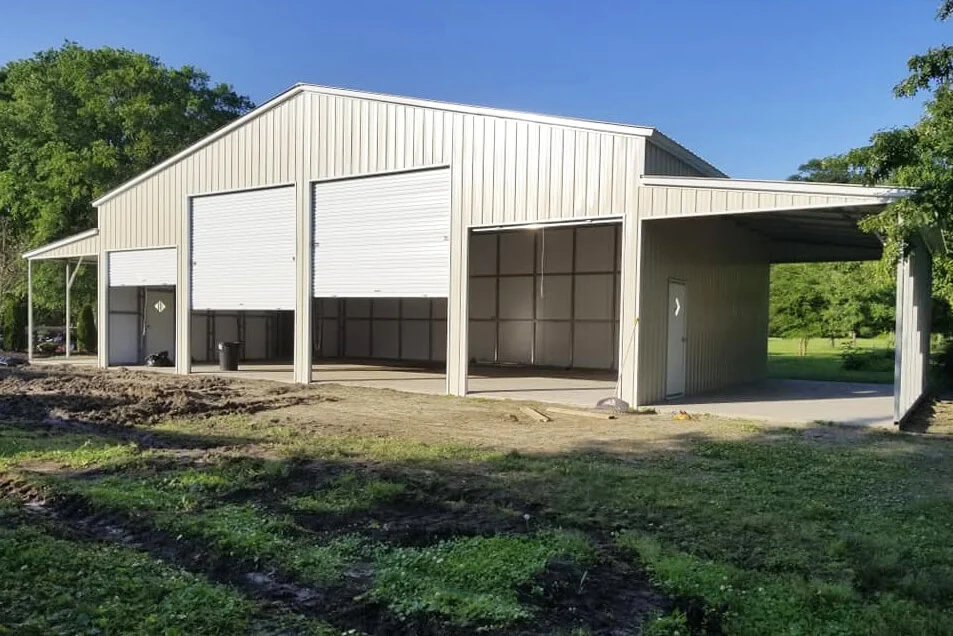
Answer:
[(536, 415), (594, 415)]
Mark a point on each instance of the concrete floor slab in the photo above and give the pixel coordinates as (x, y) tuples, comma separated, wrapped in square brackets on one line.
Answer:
[(784, 401), (796, 401)]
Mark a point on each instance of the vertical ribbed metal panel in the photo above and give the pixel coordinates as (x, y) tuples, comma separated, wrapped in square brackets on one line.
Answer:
[(151, 213), (661, 201), (662, 162), (914, 298), (515, 171), (725, 270)]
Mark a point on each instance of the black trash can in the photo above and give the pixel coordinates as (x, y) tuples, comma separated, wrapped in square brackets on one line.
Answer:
[(228, 355)]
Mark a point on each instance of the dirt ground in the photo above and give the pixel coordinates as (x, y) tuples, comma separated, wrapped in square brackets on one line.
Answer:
[(62, 394)]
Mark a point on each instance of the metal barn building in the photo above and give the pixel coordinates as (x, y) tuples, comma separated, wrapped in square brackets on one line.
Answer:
[(334, 225)]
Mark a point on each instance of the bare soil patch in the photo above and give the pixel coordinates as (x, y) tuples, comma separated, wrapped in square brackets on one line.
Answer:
[(130, 397)]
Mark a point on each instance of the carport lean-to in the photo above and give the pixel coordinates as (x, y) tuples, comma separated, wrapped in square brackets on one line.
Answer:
[(336, 225)]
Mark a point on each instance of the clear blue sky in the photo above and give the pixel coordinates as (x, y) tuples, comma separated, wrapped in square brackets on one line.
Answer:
[(754, 86)]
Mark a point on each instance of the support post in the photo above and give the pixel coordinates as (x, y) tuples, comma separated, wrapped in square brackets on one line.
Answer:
[(304, 246), (69, 337), (29, 310), (69, 287)]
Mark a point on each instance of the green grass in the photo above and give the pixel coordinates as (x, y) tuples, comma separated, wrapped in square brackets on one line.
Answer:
[(473, 579), (187, 504), (775, 532), (351, 492), (53, 586), (823, 361)]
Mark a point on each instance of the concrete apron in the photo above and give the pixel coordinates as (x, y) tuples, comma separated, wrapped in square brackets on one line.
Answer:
[(796, 401)]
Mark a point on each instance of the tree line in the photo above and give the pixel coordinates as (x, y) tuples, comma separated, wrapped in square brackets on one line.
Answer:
[(75, 123)]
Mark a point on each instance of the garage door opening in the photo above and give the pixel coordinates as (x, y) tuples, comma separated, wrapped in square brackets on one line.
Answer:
[(244, 296), (140, 305), (381, 279), (544, 312), (141, 323)]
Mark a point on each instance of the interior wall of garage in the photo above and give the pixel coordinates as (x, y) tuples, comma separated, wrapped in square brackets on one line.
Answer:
[(405, 329), (545, 297), (726, 272), (265, 335), (125, 325)]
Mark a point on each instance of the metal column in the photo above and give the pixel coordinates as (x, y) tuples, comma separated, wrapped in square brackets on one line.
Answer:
[(29, 309), (69, 339)]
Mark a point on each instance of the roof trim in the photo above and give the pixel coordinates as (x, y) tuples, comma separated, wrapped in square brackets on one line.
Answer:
[(671, 146), (795, 187), (570, 122), (489, 111), (69, 240)]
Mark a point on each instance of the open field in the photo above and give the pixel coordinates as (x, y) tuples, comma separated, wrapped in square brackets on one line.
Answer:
[(822, 361), (138, 503)]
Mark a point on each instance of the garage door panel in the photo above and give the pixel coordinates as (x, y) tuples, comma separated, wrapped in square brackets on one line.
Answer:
[(243, 250), (142, 268), (383, 236)]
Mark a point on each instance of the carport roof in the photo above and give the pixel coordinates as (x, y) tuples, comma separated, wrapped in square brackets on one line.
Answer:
[(804, 221), (85, 244)]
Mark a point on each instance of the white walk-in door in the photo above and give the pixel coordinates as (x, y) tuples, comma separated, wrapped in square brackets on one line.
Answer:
[(383, 236), (677, 339), (142, 268), (243, 250)]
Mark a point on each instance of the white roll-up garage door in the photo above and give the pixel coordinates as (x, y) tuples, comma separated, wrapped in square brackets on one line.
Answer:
[(142, 268), (243, 250), (384, 236)]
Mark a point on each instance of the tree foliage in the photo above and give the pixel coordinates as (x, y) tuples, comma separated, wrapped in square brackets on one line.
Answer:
[(86, 330), (75, 123), (831, 300), (918, 157)]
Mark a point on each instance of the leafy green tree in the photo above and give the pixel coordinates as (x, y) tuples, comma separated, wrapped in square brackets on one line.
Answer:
[(86, 330), (76, 122), (919, 157), (13, 324)]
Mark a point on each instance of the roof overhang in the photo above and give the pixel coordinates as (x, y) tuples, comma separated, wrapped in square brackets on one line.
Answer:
[(800, 221), (85, 244)]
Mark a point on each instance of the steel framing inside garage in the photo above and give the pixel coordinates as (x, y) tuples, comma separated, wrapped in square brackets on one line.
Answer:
[(353, 225)]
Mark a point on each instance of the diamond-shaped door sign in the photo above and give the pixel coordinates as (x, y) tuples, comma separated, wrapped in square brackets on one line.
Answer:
[(159, 306)]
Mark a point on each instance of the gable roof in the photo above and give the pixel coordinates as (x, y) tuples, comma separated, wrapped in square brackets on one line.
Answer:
[(652, 134)]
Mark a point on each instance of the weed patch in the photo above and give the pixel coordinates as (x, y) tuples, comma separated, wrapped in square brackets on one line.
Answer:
[(351, 492), (472, 580)]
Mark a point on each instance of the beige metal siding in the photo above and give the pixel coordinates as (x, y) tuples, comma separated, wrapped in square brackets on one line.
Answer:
[(912, 363), (725, 270), (660, 201), (151, 213), (503, 171), (510, 171), (662, 162), (88, 246)]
